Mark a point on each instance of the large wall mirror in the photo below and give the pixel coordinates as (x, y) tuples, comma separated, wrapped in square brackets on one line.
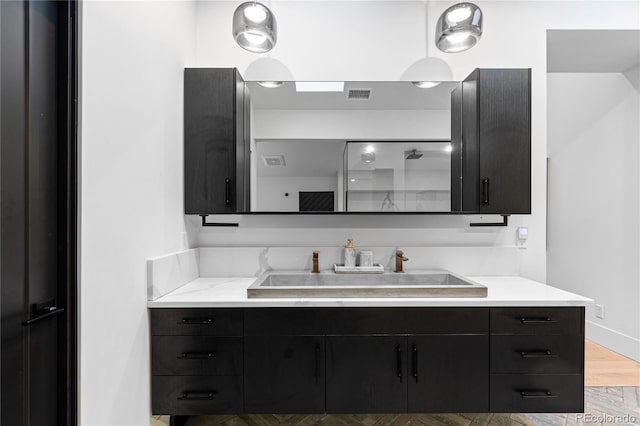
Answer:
[(351, 147)]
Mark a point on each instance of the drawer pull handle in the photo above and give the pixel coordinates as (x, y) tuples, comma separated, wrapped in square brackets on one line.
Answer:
[(316, 368), (227, 191), (197, 396), (485, 192), (537, 354), (415, 362), (537, 320), (196, 321), (536, 394), (196, 355), (399, 362)]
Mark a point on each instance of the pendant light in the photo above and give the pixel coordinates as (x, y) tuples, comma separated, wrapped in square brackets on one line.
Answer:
[(271, 84), (428, 72), (268, 72), (459, 28), (254, 27)]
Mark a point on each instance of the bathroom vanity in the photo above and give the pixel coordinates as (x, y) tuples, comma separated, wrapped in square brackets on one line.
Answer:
[(502, 344), (215, 350)]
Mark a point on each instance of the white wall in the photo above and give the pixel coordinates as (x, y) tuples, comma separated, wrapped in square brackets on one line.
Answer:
[(271, 190), (133, 55), (351, 124), (594, 200), (379, 40), (131, 207)]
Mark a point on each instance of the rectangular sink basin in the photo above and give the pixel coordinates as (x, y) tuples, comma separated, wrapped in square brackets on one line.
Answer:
[(423, 284)]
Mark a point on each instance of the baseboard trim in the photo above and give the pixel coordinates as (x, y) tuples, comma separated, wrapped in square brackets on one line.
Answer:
[(618, 342)]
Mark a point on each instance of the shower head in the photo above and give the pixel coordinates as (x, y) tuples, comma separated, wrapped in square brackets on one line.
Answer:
[(413, 155)]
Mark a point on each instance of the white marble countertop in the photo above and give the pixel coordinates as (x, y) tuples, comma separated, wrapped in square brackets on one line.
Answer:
[(221, 292)]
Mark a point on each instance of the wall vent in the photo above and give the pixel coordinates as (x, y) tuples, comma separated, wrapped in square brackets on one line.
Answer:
[(359, 94), (273, 160)]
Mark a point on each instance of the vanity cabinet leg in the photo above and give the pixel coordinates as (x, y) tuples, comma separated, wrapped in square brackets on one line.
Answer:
[(178, 420)]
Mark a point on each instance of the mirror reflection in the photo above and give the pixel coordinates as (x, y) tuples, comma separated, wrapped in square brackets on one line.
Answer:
[(350, 147), (398, 176)]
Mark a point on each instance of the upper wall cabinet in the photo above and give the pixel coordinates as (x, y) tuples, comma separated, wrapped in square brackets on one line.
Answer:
[(359, 146), (216, 141), (491, 126)]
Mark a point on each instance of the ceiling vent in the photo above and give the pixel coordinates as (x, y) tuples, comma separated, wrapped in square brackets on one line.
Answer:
[(273, 160), (359, 94)]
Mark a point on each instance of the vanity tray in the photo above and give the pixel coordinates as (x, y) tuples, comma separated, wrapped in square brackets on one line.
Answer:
[(375, 269)]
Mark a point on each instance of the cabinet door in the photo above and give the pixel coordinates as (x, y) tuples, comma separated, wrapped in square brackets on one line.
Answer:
[(456, 149), (366, 374), (245, 160), (448, 374), (284, 374), (210, 139), (504, 101), (469, 130)]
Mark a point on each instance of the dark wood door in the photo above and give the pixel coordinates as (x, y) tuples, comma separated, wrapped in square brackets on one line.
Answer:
[(284, 374), (38, 213), (448, 373), (505, 141), (214, 141), (456, 149), (366, 374), (470, 141)]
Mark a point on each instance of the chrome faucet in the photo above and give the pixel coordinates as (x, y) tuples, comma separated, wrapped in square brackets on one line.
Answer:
[(399, 259)]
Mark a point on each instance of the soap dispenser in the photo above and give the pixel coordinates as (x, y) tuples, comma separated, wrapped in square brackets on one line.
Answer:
[(349, 255)]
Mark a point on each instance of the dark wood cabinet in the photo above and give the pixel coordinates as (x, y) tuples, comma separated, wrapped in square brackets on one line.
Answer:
[(367, 360), (537, 360), (490, 140), (284, 374), (491, 120), (196, 361), (216, 141), (456, 149), (448, 373), (196, 395), (196, 355), (366, 374)]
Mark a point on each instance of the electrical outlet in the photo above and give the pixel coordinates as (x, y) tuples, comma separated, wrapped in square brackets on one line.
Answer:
[(600, 311)]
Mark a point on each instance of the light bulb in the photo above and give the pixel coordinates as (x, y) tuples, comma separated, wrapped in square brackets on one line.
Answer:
[(458, 37), (425, 84), (271, 84), (458, 14), (254, 38), (448, 148), (255, 13)]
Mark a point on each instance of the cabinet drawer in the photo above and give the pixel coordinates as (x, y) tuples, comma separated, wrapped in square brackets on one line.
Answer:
[(365, 321), (537, 320), (408, 321), (196, 355), (537, 393), (537, 354), (196, 395), (196, 322)]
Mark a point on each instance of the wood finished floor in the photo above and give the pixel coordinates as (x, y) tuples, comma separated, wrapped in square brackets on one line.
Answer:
[(613, 390), (604, 367)]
